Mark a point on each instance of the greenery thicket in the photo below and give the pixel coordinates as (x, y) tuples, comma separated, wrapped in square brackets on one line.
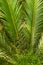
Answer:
[(21, 32), (28, 59)]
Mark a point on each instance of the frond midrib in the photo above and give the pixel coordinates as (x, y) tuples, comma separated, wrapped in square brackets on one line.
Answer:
[(33, 23)]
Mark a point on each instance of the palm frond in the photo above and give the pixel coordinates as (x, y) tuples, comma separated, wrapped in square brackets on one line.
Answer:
[(21, 26), (34, 11)]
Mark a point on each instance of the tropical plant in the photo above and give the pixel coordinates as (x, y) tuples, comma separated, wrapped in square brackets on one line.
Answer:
[(21, 27)]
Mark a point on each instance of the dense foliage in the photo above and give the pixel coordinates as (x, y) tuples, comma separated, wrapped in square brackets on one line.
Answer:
[(28, 59), (21, 31)]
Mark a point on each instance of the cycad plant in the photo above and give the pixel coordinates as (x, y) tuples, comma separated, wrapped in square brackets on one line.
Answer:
[(21, 27)]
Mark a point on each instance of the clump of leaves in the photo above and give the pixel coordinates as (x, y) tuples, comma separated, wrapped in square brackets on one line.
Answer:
[(29, 59)]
